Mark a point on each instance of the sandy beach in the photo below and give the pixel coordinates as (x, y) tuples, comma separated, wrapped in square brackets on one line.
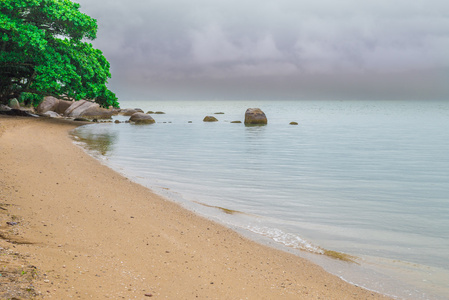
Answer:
[(84, 231)]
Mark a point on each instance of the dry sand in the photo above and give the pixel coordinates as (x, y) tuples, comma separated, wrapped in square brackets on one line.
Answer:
[(94, 234)]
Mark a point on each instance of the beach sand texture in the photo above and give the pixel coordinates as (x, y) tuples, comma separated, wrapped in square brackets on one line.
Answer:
[(94, 234)]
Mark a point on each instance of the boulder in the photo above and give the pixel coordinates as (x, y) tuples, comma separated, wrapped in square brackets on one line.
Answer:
[(141, 118), (53, 104), (51, 114), (115, 111), (62, 106), (255, 116), (129, 111), (88, 110), (48, 104), (210, 119), (14, 104)]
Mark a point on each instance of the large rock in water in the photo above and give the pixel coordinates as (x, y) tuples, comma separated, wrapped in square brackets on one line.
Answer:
[(255, 116), (88, 110), (129, 111), (210, 119), (141, 118), (53, 104)]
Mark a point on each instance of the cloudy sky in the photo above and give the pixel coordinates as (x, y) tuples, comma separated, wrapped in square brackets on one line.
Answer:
[(274, 49)]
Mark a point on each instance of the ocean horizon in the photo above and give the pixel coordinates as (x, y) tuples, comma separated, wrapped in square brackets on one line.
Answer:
[(367, 179)]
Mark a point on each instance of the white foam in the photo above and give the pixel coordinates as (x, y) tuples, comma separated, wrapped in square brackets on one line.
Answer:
[(287, 239)]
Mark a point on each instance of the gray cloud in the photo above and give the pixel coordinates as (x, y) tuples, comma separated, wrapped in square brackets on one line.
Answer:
[(274, 48)]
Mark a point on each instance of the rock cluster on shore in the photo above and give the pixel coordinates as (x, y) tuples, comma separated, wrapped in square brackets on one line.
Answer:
[(84, 110), (73, 109)]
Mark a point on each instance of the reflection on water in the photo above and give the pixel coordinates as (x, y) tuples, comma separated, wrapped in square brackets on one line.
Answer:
[(99, 142)]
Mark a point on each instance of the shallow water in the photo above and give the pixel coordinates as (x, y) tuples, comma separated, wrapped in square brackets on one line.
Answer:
[(366, 178)]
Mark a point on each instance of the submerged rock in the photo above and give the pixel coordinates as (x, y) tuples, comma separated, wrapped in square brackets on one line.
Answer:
[(236, 121), (255, 116), (141, 118), (293, 123), (210, 119)]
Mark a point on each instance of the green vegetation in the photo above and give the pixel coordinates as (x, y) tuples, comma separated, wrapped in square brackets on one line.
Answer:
[(43, 52)]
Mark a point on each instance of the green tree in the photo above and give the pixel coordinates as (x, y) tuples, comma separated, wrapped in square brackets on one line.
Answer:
[(44, 52)]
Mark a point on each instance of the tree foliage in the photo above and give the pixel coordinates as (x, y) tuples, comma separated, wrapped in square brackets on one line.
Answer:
[(44, 52)]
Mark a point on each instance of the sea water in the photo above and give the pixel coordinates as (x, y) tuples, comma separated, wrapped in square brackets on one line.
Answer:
[(365, 178)]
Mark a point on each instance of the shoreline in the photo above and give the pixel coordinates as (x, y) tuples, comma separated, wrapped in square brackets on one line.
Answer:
[(95, 233)]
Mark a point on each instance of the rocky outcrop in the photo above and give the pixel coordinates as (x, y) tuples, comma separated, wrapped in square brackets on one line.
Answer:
[(48, 104), (88, 110), (141, 118), (62, 106), (210, 119), (255, 116), (53, 104)]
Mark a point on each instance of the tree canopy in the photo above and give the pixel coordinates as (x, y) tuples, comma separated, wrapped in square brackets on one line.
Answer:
[(44, 52)]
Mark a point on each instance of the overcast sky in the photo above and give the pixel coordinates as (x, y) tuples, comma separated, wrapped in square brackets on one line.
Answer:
[(274, 49)]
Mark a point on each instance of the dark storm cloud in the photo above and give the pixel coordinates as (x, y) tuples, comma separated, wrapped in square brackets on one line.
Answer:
[(274, 49)]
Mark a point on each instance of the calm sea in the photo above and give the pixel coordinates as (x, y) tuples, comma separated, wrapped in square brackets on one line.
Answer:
[(366, 178)]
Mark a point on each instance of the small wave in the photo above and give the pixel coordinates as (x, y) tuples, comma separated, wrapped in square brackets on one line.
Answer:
[(287, 239)]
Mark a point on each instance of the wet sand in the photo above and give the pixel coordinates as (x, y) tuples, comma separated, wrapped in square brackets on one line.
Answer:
[(93, 234)]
